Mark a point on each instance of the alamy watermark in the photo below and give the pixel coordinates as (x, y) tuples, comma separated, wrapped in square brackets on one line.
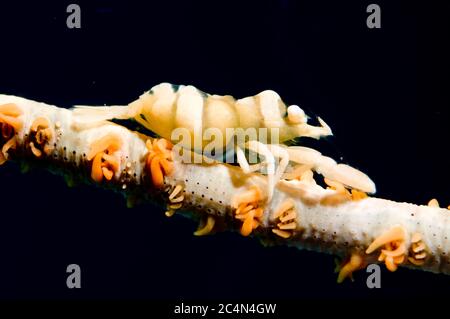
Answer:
[(73, 20), (74, 279), (374, 279), (374, 19)]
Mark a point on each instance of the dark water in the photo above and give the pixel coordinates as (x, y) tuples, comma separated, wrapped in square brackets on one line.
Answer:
[(384, 92)]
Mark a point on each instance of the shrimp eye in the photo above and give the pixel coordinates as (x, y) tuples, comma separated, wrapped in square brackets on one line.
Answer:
[(295, 114)]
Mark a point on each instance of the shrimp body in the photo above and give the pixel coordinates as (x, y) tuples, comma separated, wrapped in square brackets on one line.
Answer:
[(262, 124), (167, 107)]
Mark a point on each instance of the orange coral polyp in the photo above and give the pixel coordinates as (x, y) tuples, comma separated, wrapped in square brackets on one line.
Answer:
[(104, 164), (394, 251), (9, 124), (96, 172), (43, 133), (156, 172), (159, 160), (107, 173), (247, 210)]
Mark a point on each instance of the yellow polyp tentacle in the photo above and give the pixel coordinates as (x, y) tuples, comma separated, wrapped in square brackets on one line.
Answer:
[(36, 152), (289, 216), (286, 205), (176, 199), (175, 191), (11, 144), (401, 250), (107, 173), (156, 172), (170, 212), (422, 255), (243, 209), (419, 247), (247, 226), (356, 262), (166, 166), (390, 264), (159, 160), (282, 233), (176, 206), (396, 233), (150, 157), (96, 172), (290, 226), (207, 228)]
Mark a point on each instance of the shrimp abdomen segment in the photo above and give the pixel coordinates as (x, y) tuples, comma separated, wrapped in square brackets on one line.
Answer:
[(220, 115), (158, 109)]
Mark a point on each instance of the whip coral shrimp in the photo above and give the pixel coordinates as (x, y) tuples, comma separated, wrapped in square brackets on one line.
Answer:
[(167, 108)]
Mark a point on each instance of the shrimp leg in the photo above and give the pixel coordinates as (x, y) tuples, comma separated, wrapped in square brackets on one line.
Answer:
[(269, 152), (243, 163)]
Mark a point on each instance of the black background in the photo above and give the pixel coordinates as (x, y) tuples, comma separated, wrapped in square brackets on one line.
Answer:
[(383, 91)]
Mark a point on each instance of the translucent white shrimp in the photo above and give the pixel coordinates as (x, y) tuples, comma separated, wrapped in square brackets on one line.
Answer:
[(168, 107)]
